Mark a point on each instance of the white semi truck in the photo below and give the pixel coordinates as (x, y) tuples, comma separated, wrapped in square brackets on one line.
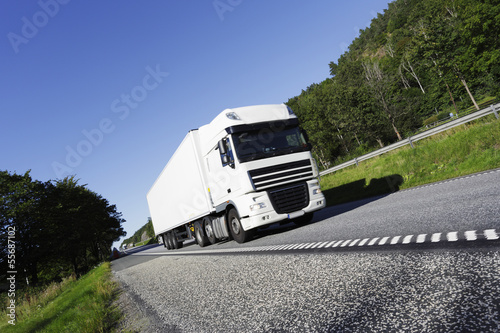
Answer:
[(250, 167)]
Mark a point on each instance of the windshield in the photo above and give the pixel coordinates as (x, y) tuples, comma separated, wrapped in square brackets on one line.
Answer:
[(266, 142)]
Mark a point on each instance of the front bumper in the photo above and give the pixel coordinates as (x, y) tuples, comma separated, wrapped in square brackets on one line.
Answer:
[(268, 215)]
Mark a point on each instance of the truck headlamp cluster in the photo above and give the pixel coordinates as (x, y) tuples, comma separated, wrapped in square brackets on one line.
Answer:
[(257, 206), (316, 190)]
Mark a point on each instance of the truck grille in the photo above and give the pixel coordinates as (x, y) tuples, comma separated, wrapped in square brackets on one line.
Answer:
[(290, 198), (281, 174)]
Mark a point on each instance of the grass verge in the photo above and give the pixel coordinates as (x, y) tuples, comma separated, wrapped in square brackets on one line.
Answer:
[(463, 150), (82, 305)]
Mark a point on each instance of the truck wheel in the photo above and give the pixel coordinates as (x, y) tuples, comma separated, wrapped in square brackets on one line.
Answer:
[(173, 240), (239, 235), (201, 239), (175, 243), (163, 240), (209, 230), (168, 242)]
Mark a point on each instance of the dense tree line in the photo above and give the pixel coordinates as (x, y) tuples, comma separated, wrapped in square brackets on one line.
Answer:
[(59, 227), (137, 236), (418, 58)]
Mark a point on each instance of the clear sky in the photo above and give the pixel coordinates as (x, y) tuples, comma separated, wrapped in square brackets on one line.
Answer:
[(106, 90)]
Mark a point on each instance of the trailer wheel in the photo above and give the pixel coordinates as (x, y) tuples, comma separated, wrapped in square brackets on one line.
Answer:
[(201, 239), (173, 240), (239, 235), (167, 240), (209, 230)]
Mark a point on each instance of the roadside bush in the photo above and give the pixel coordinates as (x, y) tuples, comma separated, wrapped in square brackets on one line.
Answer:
[(443, 115), (430, 120)]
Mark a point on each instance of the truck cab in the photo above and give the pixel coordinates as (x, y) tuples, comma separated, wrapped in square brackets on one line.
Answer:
[(259, 164)]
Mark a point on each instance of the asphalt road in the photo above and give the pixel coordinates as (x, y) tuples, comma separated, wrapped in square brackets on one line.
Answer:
[(420, 260)]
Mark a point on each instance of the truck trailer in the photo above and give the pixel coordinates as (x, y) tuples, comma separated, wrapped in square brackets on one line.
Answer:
[(249, 168)]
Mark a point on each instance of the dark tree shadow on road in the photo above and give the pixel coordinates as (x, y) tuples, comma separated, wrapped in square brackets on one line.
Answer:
[(359, 190)]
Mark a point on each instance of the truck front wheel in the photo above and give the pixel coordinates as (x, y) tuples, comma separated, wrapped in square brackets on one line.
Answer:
[(239, 235)]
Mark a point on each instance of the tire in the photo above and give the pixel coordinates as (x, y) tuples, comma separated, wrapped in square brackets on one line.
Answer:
[(163, 240), (209, 230), (304, 219), (175, 243), (199, 234), (236, 229), (168, 241)]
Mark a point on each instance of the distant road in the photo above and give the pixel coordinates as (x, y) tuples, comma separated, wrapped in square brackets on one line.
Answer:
[(423, 259)]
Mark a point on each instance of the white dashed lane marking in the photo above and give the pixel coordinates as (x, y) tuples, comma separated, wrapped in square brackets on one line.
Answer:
[(454, 236), (491, 234), (421, 238), (395, 240), (471, 235), (407, 239), (436, 237)]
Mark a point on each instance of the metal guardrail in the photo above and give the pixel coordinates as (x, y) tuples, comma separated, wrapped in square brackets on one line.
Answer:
[(492, 109)]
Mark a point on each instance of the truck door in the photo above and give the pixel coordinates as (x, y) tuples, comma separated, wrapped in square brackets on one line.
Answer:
[(221, 170)]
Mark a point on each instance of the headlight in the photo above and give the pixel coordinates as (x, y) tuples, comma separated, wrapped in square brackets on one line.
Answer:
[(257, 206), (316, 191)]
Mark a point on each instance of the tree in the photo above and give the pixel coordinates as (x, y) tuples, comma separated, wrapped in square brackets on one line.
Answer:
[(59, 226), (20, 199), (378, 83), (417, 58)]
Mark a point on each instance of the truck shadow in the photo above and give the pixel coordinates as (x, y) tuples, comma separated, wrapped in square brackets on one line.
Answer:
[(343, 199)]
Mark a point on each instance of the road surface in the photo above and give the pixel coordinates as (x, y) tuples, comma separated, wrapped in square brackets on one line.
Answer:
[(424, 259)]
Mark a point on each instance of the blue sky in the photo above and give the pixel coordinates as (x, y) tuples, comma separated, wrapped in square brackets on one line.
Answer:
[(106, 90)]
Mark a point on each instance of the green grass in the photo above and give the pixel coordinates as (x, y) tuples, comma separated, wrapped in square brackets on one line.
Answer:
[(460, 151), (482, 102), (82, 305)]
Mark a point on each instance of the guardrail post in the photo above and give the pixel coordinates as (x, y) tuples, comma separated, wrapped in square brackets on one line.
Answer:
[(356, 160), (411, 142), (495, 111)]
